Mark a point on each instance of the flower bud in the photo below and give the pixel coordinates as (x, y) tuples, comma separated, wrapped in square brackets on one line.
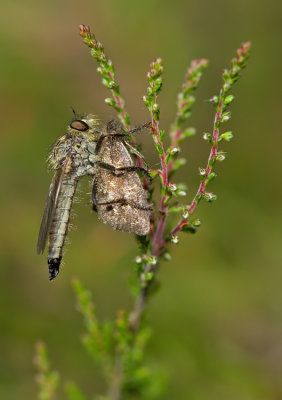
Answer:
[(174, 239)]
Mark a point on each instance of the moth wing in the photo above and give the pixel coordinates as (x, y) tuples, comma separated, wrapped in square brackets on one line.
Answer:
[(120, 198), (50, 208)]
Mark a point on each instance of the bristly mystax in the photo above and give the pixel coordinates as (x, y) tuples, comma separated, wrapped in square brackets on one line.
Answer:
[(118, 194)]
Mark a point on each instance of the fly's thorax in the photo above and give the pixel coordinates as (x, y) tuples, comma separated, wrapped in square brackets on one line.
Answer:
[(80, 147), (59, 152), (83, 150), (78, 142)]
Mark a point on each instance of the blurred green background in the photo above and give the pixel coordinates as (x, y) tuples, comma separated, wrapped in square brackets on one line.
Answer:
[(217, 319)]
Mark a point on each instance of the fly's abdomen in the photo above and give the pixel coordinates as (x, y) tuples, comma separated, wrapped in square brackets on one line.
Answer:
[(60, 223)]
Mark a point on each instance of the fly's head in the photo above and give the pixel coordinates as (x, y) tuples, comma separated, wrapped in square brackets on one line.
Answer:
[(84, 124), (84, 128)]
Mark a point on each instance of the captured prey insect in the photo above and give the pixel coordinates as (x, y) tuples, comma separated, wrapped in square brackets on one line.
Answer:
[(118, 195)]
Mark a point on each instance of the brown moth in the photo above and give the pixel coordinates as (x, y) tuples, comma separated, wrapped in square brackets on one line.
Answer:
[(118, 195)]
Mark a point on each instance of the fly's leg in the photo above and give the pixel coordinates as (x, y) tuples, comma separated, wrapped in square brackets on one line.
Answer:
[(139, 128), (117, 201), (118, 171), (94, 194), (111, 129), (123, 202), (110, 203), (99, 143)]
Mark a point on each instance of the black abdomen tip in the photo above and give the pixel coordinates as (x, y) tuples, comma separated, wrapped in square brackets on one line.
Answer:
[(54, 265)]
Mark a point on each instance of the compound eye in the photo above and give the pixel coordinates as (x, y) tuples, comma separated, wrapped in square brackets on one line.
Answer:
[(79, 125)]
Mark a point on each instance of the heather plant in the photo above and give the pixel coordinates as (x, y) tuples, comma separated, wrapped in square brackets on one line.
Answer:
[(118, 347)]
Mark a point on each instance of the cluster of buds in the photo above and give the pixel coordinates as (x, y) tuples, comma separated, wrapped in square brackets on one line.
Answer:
[(107, 71)]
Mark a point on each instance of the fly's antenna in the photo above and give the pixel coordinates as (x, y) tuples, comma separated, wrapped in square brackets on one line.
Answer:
[(74, 113)]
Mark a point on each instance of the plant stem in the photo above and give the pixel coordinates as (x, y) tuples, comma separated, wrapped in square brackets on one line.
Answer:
[(138, 308), (115, 388), (230, 76), (210, 163)]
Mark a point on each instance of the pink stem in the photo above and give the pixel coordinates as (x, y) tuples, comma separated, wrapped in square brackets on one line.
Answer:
[(202, 186), (158, 241)]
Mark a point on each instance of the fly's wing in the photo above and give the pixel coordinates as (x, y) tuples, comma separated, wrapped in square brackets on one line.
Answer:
[(119, 197), (50, 208)]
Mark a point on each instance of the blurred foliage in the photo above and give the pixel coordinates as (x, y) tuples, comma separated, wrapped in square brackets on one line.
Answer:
[(47, 379), (112, 343), (217, 318)]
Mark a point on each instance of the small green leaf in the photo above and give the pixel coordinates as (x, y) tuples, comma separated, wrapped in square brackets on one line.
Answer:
[(195, 222), (212, 161), (180, 162), (149, 276), (159, 149), (110, 102), (227, 136), (180, 193), (211, 176), (126, 118), (162, 133), (188, 132), (175, 209), (153, 173), (188, 229), (228, 99), (166, 256)]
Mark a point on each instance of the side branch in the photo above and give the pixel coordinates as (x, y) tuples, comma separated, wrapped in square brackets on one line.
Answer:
[(221, 102)]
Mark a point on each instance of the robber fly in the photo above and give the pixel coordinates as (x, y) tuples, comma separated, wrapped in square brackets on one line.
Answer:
[(72, 157), (118, 195)]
